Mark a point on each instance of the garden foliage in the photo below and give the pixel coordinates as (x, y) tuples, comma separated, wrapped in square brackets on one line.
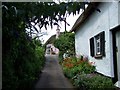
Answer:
[(44, 13), (22, 56), (22, 64), (74, 66), (83, 76), (65, 43), (93, 82)]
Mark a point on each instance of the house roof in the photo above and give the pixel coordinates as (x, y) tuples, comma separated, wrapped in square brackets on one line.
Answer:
[(88, 11), (52, 39)]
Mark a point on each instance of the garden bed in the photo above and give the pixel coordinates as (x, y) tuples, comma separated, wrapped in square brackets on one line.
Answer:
[(83, 76), (93, 81)]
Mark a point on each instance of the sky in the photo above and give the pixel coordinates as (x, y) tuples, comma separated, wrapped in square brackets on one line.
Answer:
[(70, 19), (46, 34)]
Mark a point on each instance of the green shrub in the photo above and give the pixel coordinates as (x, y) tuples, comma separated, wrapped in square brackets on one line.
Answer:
[(82, 74), (22, 56), (66, 42), (72, 66), (22, 64), (70, 73), (40, 58), (85, 67), (92, 82)]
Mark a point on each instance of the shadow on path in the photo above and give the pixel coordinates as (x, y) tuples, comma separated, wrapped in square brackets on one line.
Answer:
[(52, 75)]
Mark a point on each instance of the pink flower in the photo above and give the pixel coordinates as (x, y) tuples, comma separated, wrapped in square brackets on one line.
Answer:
[(92, 63)]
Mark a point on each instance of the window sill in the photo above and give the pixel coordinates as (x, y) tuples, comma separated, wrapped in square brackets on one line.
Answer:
[(98, 56)]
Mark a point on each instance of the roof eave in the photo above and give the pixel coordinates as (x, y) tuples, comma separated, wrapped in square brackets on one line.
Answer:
[(88, 11)]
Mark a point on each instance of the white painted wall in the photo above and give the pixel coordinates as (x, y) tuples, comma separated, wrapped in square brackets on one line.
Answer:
[(119, 12), (96, 23)]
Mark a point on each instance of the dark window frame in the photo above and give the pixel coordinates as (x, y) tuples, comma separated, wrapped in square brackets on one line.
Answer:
[(97, 45)]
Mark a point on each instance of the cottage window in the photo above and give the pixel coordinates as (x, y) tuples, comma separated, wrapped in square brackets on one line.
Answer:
[(97, 45)]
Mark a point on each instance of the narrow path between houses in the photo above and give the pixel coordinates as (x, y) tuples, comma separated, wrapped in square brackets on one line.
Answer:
[(52, 75)]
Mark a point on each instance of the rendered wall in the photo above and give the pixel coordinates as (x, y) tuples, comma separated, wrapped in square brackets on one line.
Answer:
[(96, 23)]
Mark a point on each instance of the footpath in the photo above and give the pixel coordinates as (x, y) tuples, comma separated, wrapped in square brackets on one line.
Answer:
[(52, 75)]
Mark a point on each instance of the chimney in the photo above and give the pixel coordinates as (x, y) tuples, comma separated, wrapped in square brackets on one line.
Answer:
[(57, 32)]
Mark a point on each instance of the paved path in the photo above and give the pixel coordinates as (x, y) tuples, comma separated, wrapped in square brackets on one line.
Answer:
[(52, 75)]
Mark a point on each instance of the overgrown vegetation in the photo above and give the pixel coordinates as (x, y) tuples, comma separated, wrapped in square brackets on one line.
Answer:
[(92, 82), (65, 43), (83, 76), (73, 66), (22, 56), (22, 64)]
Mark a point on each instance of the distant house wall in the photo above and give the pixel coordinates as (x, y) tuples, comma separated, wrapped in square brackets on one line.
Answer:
[(51, 49), (96, 23)]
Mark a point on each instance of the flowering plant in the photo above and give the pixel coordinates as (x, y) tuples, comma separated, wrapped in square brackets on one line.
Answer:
[(72, 66)]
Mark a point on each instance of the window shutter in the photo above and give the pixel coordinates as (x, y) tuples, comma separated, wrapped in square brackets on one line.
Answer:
[(92, 47), (102, 40)]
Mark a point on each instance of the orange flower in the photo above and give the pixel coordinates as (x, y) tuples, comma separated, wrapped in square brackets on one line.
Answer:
[(79, 62), (69, 65)]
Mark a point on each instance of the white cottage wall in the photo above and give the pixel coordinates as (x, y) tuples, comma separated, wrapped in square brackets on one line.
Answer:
[(119, 12), (96, 23), (113, 14)]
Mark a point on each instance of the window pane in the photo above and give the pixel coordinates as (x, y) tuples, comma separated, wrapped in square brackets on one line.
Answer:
[(97, 44)]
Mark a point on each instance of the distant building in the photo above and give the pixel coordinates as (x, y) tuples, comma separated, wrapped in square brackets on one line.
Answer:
[(57, 32), (50, 48)]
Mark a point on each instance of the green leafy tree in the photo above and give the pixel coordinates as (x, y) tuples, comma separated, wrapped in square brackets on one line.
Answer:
[(44, 13), (66, 44)]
